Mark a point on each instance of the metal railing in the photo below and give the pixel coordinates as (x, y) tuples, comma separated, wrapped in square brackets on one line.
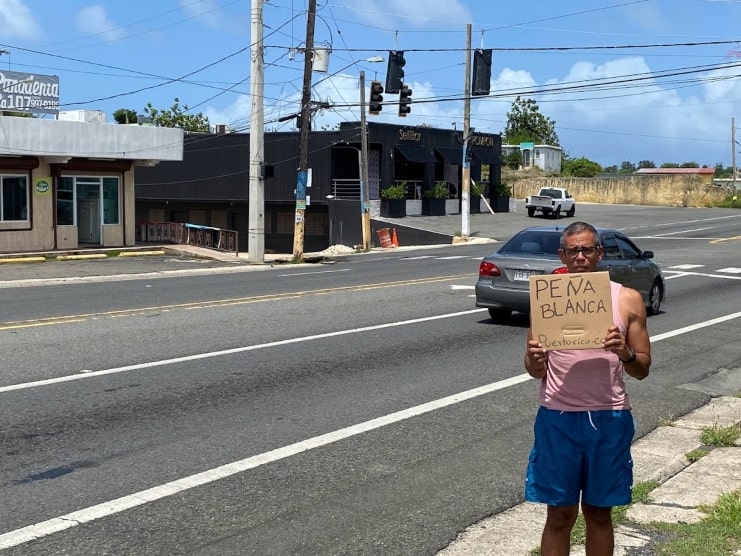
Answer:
[(189, 234)]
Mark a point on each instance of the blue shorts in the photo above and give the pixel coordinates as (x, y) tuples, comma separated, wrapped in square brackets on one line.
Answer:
[(581, 452)]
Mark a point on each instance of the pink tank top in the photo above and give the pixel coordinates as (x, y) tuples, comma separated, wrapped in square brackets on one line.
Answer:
[(586, 379)]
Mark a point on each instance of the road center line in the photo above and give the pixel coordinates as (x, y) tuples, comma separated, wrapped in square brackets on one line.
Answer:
[(105, 509)]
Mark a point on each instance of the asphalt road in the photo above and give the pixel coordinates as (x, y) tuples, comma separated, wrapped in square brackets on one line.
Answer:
[(360, 407)]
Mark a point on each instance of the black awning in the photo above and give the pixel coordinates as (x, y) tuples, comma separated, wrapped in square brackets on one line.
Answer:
[(487, 156), (451, 154), (416, 153)]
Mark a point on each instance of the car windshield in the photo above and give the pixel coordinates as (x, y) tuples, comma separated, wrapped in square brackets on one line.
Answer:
[(531, 242)]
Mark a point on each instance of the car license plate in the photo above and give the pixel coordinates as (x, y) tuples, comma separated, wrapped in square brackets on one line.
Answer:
[(522, 275)]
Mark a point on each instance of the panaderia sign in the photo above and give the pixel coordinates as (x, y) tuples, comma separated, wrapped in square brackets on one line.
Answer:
[(26, 92)]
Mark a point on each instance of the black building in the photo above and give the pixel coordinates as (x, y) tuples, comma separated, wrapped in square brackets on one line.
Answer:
[(210, 186)]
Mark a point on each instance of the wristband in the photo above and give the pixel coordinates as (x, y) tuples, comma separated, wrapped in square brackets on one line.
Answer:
[(629, 359)]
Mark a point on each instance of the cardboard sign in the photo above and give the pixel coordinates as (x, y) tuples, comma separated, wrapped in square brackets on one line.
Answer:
[(570, 311)]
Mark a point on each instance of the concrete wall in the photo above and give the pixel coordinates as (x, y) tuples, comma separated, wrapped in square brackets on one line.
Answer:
[(668, 191), (37, 137)]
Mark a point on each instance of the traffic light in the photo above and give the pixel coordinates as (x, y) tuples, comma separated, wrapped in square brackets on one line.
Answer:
[(481, 72), (405, 101), (376, 98), (395, 71)]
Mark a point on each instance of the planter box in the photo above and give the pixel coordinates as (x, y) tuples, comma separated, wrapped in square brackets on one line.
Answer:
[(393, 208), (433, 207), (500, 204), (475, 204)]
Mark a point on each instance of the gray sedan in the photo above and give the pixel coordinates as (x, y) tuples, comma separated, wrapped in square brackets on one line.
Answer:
[(503, 285)]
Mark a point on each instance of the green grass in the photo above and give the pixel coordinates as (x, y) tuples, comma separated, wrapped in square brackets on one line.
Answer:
[(732, 201), (718, 534), (695, 455), (720, 436)]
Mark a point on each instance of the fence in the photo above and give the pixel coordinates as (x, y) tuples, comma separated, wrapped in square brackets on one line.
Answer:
[(189, 234)]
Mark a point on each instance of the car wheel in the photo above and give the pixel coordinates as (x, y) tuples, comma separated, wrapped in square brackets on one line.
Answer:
[(572, 211), (531, 212), (557, 213), (654, 298), (498, 315)]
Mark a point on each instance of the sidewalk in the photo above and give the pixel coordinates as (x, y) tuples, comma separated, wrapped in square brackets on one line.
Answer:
[(659, 456)]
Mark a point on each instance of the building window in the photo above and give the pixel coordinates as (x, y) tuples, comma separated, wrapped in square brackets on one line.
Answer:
[(71, 189), (110, 201), (66, 202), (13, 198)]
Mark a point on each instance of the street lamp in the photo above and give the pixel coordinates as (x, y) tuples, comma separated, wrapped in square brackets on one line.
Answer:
[(363, 162)]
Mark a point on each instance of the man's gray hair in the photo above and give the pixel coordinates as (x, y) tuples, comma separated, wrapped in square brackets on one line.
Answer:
[(579, 228)]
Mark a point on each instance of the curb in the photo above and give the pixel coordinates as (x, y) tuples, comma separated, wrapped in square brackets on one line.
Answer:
[(81, 257), (140, 253), (23, 260)]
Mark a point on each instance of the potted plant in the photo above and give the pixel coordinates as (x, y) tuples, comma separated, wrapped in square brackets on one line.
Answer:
[(433, 199), (500, 194), (393, 200), (476, 191)]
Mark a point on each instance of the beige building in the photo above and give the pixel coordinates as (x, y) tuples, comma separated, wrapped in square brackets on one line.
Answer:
[(68, 184)]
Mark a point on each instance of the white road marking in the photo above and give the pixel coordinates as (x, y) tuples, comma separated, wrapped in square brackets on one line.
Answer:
[(683, 232), (452, 257), (731, 270), (687, 266), (699, 220), (317, 272), (115, 370), (418, 258), (704, 274), (454, 287), (105, 509)]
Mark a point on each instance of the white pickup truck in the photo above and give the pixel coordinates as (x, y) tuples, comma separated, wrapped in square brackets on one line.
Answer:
[(551, 201)]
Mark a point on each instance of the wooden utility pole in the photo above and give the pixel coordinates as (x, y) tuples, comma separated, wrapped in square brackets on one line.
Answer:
[(733, 150), (256, 211), (303, 170), (466, 171)]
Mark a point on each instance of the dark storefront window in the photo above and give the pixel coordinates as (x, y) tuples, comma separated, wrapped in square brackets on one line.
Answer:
[(65, 202), (13, 198)]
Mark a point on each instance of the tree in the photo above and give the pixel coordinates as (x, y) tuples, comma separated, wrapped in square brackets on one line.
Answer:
[(627, 167), (689, 165), (525, 123), (580, 167), (125, 116), (647, 164), (512, 160), (611, 169), (177, 117), (669, 165)]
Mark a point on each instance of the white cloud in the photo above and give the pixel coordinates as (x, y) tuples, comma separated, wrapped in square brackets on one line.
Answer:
[(93, 20), (206, 11), (16, 20)]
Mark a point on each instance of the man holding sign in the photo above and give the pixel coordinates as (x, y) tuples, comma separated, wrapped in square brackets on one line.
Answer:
[(584, 427)]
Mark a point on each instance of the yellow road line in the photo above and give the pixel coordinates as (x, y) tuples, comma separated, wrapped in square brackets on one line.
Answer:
[(224, 302), (717, 241)]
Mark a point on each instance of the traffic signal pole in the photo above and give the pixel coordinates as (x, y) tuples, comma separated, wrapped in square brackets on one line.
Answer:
[(466, 171), (364, 196)]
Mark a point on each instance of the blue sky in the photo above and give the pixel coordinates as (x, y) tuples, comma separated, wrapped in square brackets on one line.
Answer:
[(625, 94)]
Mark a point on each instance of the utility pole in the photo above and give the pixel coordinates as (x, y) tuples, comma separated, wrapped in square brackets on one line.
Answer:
[(733, 150), (466, 171), (303, 170), (364, 196), (256, 211)]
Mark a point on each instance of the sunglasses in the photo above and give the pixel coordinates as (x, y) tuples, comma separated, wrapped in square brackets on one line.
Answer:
[(573, 253)]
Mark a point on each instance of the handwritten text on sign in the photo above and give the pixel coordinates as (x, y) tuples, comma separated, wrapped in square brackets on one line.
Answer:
[(570, 311)]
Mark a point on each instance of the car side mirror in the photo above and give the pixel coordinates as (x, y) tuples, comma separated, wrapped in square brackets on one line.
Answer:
[(647, 255)]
